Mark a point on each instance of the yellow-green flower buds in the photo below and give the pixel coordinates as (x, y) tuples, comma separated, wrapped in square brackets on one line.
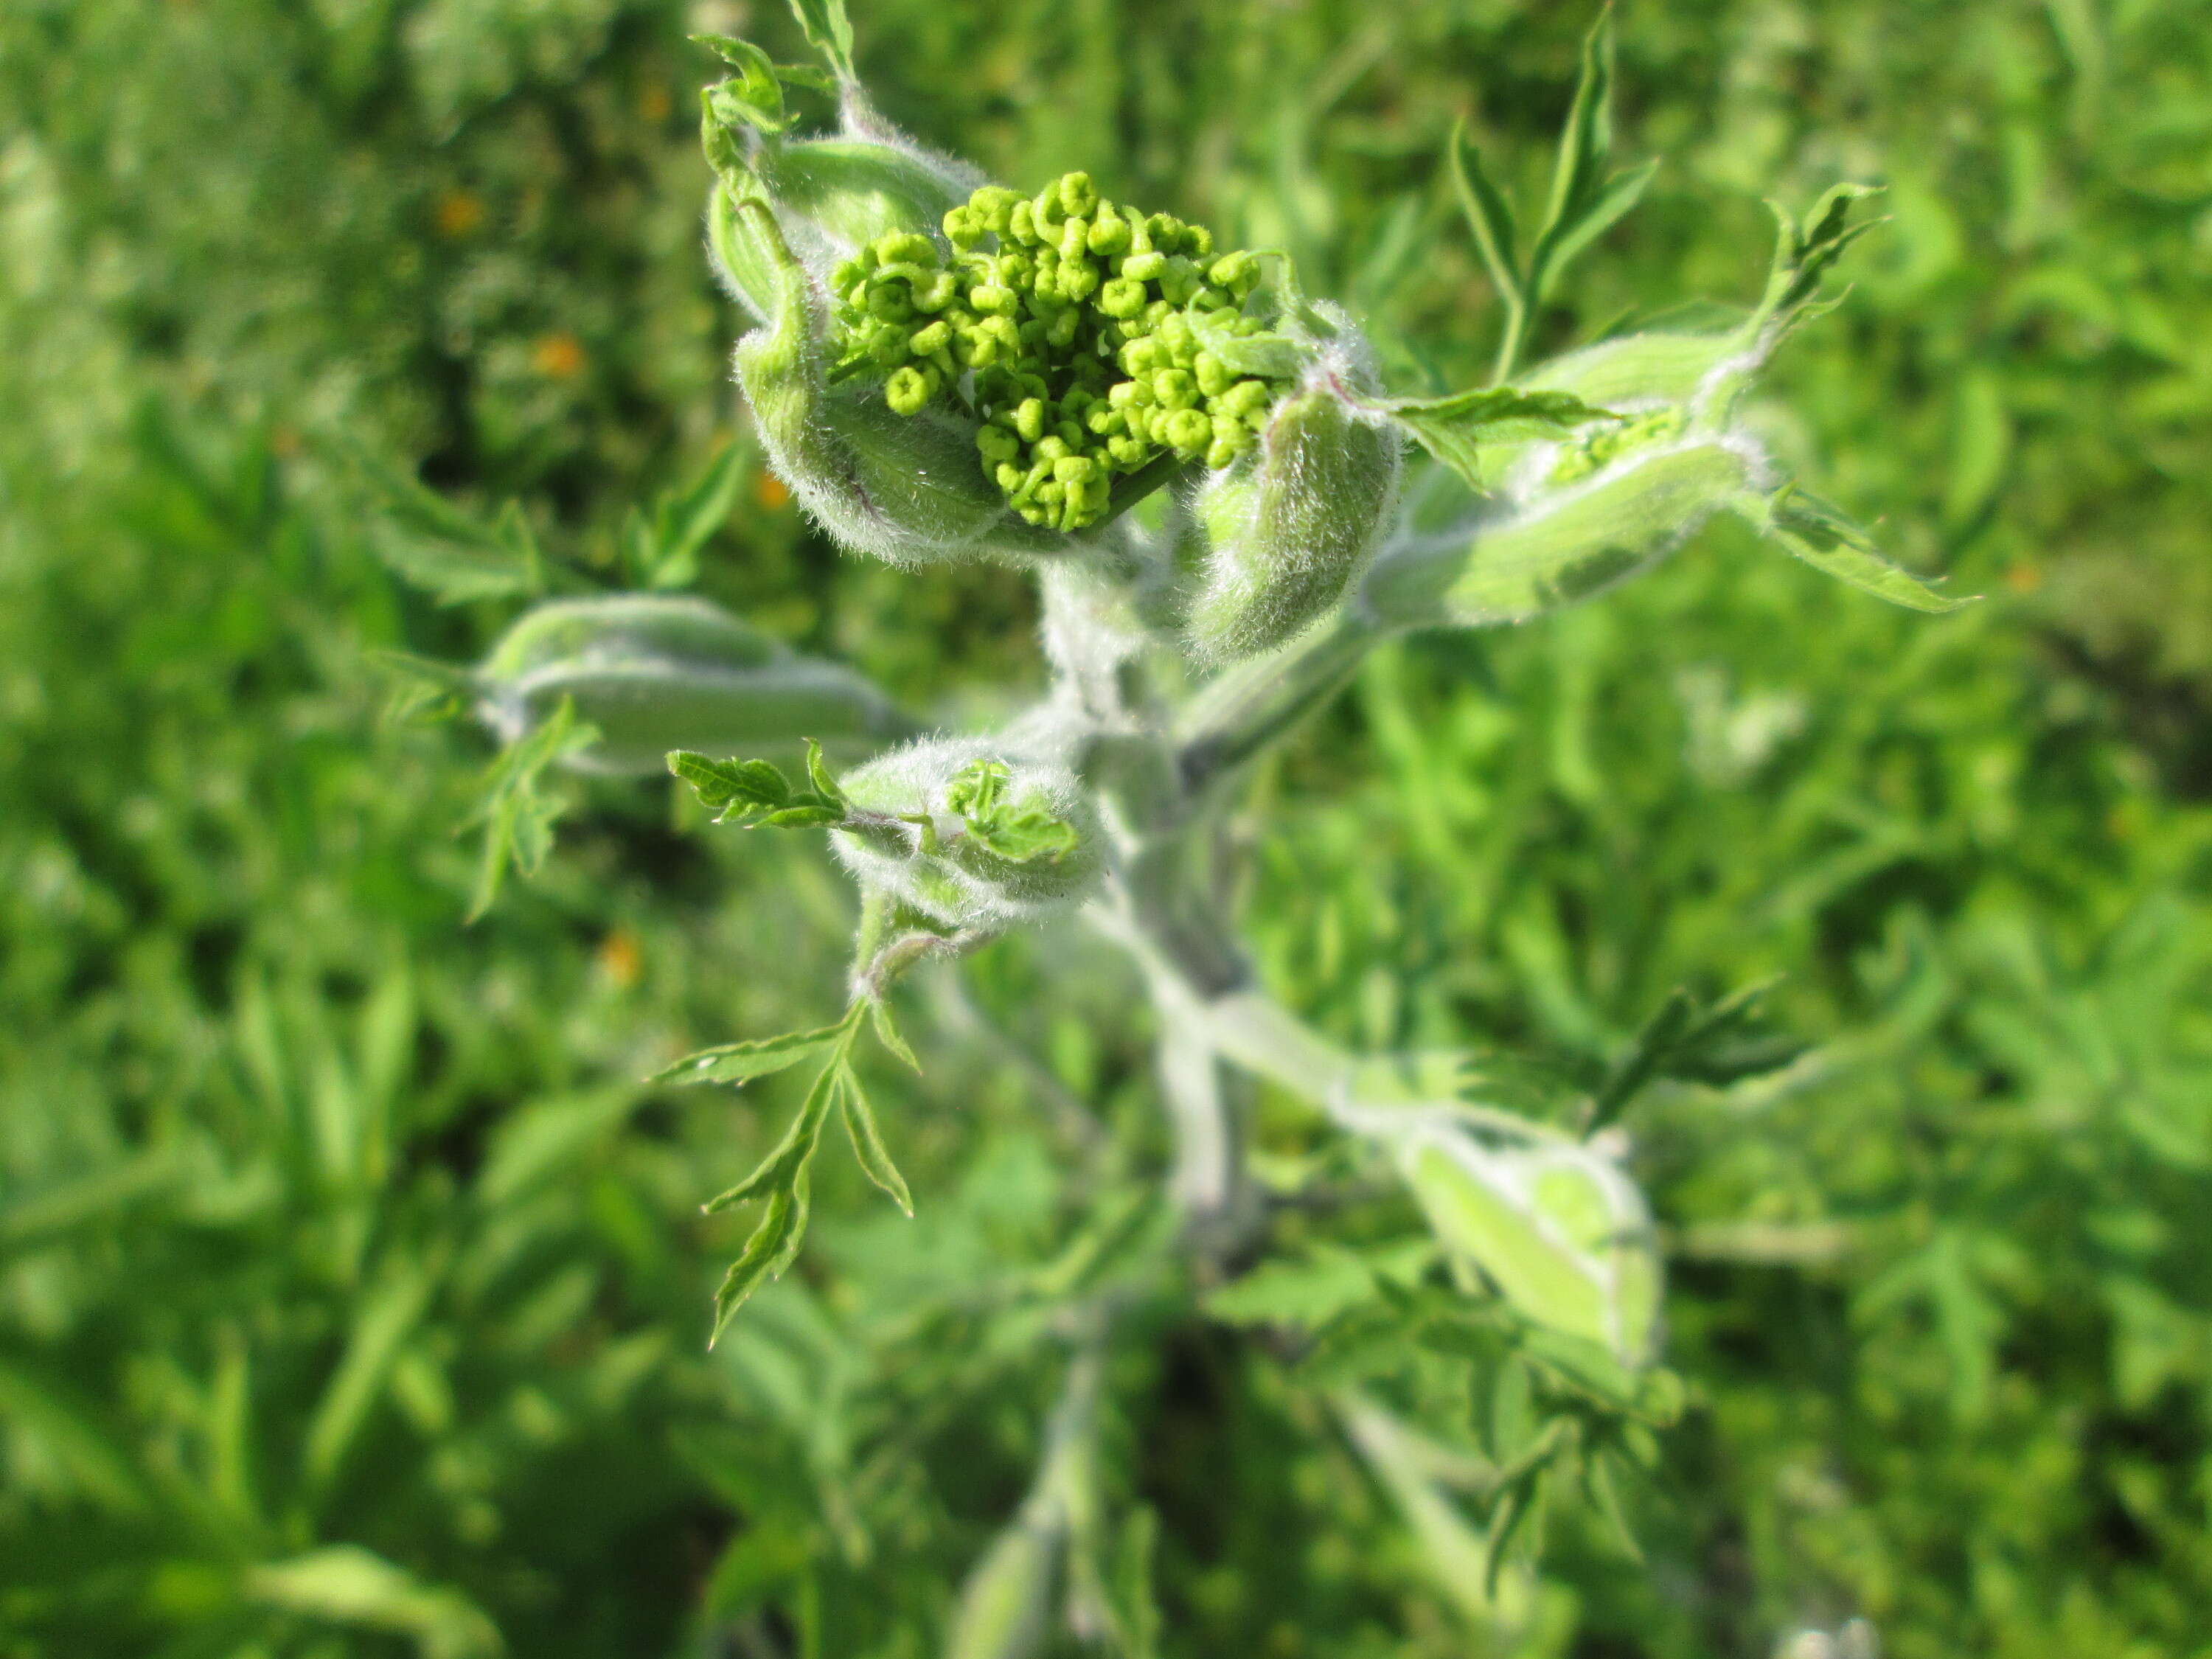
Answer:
[(969, 835), (904, 489), (1091, 341), (1290, 526), (1563, 1234), (1566, 538), (655, 672)]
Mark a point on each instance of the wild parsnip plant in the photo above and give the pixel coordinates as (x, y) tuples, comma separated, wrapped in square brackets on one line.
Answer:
[(1226, 510)]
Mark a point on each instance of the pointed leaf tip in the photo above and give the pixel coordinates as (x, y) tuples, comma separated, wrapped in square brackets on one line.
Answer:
[(1825, 537)]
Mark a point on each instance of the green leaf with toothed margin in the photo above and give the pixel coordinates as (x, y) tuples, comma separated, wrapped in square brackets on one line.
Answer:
[(778, 1234), (517, 820), (1805, 249), (740, 1062), (1457, 429), (880, 1015), (1488, 213), (829, 32), (868, 1139), (1826, 539), (731, 788), (780, 1166)]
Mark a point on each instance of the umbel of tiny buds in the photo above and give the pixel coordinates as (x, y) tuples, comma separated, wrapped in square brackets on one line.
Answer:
[(1092, 341)]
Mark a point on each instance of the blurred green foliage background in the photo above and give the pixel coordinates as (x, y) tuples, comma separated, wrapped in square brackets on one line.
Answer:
[(352, 1291)]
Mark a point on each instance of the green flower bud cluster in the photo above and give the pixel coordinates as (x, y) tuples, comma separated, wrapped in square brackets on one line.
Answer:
[(969, 835), (1596, 448), (1099, 338)]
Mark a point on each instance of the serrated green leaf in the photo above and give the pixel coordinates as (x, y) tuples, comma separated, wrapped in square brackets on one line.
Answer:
[(1488, 214), (1579, 186), (1661, 1035), (780, 1166), (753, 96), (453, 574), (738, 1062), (1607, 205), (1824, 537), (783, 1222), (425, 690), (1019, 831), (880, 1015), (802, 817), (1307, 1292), (1455, 428), (416, 507), (794, 1233), (1805, 249), (1586, 140), (518, 821), (438, 547), (829, 32), (818, 773), (731, 789), (867, 1139)]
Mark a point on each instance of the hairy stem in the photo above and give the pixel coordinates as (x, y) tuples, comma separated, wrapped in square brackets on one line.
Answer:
[(1208, 1184), (1255, 704)]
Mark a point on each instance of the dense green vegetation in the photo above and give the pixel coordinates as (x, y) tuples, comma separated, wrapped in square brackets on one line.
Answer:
[(352, 1289)]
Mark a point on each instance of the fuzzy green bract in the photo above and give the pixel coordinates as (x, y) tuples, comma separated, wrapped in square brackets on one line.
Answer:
[(1563, 1235)]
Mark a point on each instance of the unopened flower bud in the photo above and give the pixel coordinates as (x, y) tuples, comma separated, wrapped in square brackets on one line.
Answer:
[(1564, 1236), (969, 835), (1565, 538), (904, 488), (656, 672), (1291, 524)]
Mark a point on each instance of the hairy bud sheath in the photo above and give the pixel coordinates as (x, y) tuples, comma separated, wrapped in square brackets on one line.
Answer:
[(1595, 517), (1563, 1235), (928, 845), (831, 196), (905, 490), (655, 672), (1289, 527)]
